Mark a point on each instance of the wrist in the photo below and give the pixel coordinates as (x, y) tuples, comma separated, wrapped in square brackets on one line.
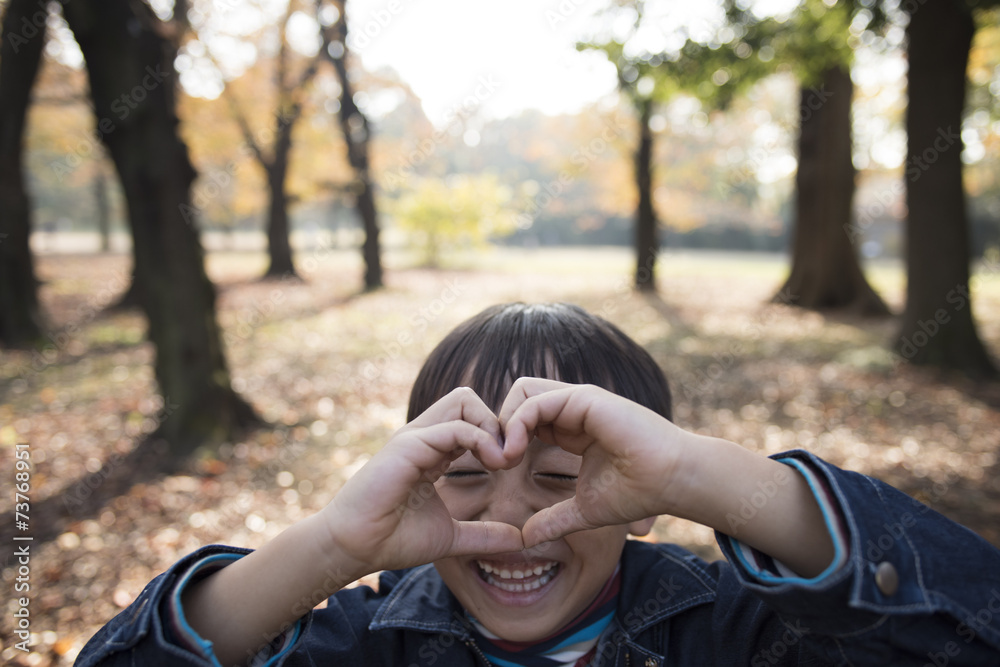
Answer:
[(334, 557), (711, 476)]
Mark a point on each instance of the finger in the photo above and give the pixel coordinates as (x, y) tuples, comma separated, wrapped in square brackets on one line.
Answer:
[(485, 537), (430, 447), (554, 522), (561, 411), (523, 389), (517, 434), (460, 403)]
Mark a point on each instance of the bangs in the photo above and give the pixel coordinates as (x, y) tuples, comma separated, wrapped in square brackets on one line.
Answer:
[(556, 341)]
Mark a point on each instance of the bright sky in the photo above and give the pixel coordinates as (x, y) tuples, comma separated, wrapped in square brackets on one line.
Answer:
[(525, 49), (516, 54), (511, 54)]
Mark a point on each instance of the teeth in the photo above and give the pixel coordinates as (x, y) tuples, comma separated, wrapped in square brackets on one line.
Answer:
[(503, 577), (505, 573)]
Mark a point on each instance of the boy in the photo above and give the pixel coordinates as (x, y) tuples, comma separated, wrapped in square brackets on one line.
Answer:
[(538, 438)]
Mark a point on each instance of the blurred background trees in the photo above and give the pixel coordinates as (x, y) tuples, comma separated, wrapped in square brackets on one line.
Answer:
[(356, 131), (20, 319), (815, 43), (122, 44), (286, 78), (457, 212), (936, 331)]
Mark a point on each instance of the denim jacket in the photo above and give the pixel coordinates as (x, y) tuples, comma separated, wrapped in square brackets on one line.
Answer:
[(911, 588)]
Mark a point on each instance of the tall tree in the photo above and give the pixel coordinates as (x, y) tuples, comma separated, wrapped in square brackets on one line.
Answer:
[(130, 70), (289, 91), (102, 207), (23, 39), (648, 81), (357, 137), (174, 31), (937, 326), (642, 80), (647, 237), (825, 272)]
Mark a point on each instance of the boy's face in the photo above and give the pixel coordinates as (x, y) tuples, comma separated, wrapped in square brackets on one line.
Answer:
[(526, 596)]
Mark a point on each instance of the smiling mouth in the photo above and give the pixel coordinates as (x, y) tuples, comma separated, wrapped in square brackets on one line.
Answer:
[(519, 579)]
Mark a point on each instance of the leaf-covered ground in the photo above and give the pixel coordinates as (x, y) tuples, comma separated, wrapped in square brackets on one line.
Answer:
[(329, 368)]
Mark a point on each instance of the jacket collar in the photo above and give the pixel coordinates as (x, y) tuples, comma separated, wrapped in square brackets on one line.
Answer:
[(658, 581)]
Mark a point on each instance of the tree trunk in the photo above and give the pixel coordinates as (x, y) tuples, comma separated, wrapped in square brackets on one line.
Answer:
[(937, 327), (102, 209), (355, 128), (647, 244), (276, 167), (23, 39), (371, 250), (825, 270), (279, 247), (130, 70), (133, 296), (174, 32)]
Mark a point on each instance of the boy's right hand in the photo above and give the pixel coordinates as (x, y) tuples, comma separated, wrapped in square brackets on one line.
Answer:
[(389, 515)]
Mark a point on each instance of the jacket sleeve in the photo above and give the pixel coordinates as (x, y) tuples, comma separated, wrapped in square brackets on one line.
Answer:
[(152, 631), (907, 586)]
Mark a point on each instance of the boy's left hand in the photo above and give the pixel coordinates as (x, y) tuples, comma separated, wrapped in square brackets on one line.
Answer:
[(637, 464), (629, 453)]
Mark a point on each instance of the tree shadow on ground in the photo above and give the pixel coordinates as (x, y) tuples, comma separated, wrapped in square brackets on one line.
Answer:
[(668, 312), (85, 497)]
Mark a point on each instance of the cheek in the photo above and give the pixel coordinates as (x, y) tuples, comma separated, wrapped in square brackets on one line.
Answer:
[(462, 503), (600, 548)]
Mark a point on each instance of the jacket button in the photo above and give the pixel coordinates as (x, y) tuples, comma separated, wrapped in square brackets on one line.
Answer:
[(886, 578)]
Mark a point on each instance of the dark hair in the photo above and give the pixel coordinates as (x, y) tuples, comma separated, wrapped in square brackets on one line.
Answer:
[(559, 341)]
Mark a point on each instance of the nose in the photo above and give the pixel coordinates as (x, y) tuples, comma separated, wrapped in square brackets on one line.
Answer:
[(509, 501)]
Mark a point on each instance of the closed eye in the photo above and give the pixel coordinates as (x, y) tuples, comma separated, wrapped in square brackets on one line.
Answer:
[(558, 477), (459, 474)]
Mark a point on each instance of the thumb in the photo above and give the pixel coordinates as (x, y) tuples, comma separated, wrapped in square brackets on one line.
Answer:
[(484, 537), (553, 522)]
